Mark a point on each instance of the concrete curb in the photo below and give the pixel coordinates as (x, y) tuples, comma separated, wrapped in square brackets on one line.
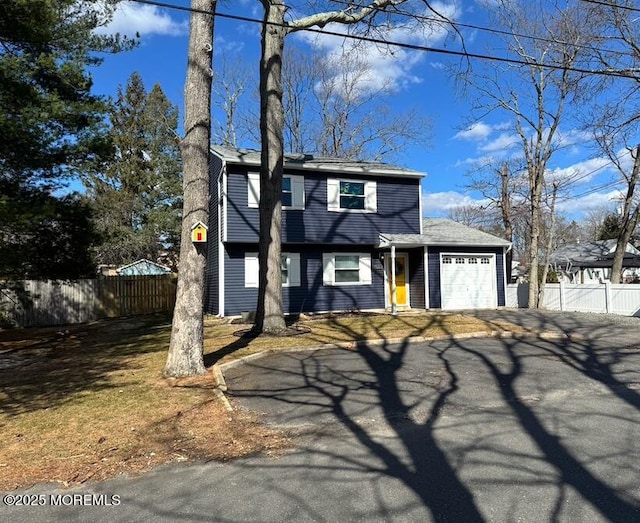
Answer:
[(219, 369)]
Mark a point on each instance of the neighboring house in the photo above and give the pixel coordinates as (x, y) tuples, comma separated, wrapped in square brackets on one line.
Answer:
[(591, 262), (343, 223), (142, 268)]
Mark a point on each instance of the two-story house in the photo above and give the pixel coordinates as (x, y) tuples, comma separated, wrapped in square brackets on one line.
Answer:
[(343, 222)]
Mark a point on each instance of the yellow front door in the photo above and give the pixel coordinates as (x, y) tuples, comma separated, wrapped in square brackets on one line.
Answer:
[(401, 280)]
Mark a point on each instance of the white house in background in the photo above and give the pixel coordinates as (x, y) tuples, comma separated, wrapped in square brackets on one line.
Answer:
[(591, 262)]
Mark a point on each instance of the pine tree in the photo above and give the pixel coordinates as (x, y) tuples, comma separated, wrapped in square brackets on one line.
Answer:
[(51, 125), (136, 196)]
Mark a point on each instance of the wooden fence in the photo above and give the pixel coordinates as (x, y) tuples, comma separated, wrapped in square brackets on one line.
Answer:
[(39, 303), (605, 298)]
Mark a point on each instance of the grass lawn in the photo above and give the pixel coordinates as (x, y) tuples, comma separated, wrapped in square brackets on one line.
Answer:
[(87, 402)]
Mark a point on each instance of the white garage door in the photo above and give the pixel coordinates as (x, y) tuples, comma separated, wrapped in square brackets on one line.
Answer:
[(468, 281)]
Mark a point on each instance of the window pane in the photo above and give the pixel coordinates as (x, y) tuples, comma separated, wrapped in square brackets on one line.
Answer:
[(347, 262), (352, 188), (347, 276), (284, 269), (287, 195), (351, 202)]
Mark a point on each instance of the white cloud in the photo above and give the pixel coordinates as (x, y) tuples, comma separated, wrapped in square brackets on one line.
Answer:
[(475, 132), (598, 200), (572, 137), (390, 67), (581, 172), (502, 143), (438, 203), (131, 19)]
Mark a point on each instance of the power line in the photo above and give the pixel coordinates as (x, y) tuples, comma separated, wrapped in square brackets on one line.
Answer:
[(444, 20), (392, 43), (577, 176), (610, 4), (434, 50)]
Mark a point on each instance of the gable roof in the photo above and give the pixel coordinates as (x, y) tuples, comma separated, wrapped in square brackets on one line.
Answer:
[(142, 267), (588, 251), (309, 162), (441, 231)]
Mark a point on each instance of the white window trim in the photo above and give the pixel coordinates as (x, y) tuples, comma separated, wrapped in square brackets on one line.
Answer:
[(293, 269), (328, 268), (370, 196), (252, 267), (297, 191)]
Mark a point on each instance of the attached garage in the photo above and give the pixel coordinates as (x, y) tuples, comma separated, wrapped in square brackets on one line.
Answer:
[(468, 281), (464, 267)]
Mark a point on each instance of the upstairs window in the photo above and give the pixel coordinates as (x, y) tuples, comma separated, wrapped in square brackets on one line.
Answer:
[(287, 192), (351, 195), (292, 191)]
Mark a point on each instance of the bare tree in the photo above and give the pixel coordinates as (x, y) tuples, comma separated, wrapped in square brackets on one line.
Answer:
[(354, 121), (299, 79), (231, 83), (535, 94), (502, 186), (475, 216), (549, 243), (330, 107), (269, 314), (185, 356), (630, 207), (617, 128)]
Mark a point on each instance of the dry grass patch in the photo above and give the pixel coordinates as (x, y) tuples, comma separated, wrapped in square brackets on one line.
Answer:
[(223, 343), (90, 403)]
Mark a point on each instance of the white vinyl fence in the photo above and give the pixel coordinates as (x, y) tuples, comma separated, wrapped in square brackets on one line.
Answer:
[(605, 298)]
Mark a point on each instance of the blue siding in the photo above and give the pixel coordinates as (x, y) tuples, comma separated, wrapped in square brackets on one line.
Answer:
[(398, 212), (312, 295), (416, 278), (212, 298), (435, 297)]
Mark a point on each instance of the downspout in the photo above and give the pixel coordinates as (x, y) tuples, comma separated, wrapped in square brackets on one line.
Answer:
[(222, 221), (505, 251)]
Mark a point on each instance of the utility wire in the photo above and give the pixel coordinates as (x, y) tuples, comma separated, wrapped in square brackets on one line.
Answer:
[(491, 30), (392, 43), (434, 50), (611, 4)]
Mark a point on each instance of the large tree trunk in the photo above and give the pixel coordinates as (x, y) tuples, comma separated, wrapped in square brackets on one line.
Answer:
[(269, 314), (549, 246), (505, 208), (629, 220), (537, 181), (185, 356)]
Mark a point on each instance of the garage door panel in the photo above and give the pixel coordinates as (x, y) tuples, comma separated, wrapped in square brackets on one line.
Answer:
[(468, 281)]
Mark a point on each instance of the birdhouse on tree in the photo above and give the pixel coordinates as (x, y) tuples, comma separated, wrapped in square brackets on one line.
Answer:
[(199, 232)]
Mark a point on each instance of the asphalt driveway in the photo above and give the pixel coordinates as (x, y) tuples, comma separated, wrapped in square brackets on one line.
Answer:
[(483, 429), (469, 430)]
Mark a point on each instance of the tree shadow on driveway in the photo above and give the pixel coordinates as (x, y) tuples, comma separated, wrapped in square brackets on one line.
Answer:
[(473, 430)]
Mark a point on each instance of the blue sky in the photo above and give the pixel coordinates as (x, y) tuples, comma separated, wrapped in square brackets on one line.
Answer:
[(422, 82)]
